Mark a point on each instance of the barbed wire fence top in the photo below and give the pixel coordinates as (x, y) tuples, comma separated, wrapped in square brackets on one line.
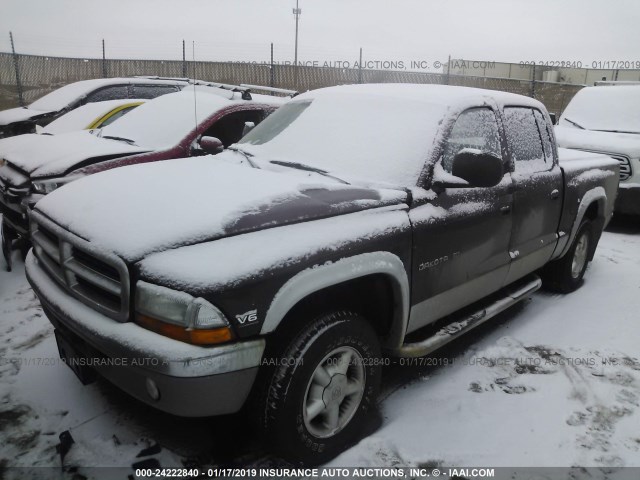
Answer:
[(29, 77)]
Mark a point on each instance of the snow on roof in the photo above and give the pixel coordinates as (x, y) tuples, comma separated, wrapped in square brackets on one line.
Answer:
[(64, 96), (82, 117), (166, 120), (605, 108), (445, 95), (383, 133)]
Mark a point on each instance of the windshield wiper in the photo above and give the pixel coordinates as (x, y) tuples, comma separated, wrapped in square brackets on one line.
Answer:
[(120, 139), (307, 168), (574, 123), (618, 131), (246, 155)]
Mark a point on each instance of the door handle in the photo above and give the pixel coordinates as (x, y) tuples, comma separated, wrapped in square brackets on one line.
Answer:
[(555, 194), (505, 209)]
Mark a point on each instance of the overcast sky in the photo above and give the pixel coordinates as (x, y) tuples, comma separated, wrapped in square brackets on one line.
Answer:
[(330, 30)]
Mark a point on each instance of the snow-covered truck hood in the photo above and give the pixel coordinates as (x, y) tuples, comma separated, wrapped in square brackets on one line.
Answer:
[(49, 155), (142, 209), (606, 142), (20, 114), (574, 155)]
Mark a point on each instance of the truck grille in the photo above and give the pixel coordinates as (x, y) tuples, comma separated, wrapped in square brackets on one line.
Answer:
[(99, 280), (625, 165)]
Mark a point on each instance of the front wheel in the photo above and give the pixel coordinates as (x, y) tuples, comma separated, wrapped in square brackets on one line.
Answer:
[(566, 274), (318, 399), (8, 236)]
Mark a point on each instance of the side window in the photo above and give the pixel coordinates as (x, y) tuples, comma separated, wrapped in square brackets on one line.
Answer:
[(115, 92), (230, 127), (116, 116), (152, 91), (545, 133), (524, 140), (476, 128)]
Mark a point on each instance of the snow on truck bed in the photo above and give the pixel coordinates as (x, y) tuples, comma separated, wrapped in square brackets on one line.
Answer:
[(63, 96)]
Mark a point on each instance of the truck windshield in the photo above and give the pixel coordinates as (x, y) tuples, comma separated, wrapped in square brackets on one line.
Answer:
[(382, 138), (610, 108)]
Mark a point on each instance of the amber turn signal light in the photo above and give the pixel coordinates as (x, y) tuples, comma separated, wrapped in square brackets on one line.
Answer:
[(194, 336)]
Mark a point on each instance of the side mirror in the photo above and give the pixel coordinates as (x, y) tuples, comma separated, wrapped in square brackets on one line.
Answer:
[(248, 126), (211, 145), (479, 169)]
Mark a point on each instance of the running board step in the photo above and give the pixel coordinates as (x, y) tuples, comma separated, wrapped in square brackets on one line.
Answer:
[(510, 296)]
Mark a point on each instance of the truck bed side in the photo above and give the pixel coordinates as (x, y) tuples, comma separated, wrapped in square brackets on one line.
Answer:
[(590, 179)]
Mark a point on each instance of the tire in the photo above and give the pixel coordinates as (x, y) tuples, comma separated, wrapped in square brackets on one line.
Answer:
[(7, 243), (316, 403), (566, 274)]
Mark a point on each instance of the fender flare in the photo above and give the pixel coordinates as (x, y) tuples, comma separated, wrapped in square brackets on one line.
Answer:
[(595, 195), (326, 275)]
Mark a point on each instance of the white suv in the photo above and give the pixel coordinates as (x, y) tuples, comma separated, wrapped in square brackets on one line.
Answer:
[(606, 119)]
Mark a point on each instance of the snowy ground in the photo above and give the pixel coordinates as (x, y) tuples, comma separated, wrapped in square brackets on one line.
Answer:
[(554, 382)]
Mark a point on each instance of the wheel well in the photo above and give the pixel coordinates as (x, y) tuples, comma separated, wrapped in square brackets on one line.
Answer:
[(595, 214), (592, 212), (370, 296)]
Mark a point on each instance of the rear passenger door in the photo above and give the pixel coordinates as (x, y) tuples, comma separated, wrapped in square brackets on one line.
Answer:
[(538, 190)]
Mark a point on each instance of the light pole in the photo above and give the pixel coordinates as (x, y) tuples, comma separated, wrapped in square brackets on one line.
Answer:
[(296, 12)]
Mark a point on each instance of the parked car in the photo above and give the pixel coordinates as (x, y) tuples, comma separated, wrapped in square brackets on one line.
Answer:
[(17, 121), (606, 119), (161, 129), (353, 220), (89, 116)]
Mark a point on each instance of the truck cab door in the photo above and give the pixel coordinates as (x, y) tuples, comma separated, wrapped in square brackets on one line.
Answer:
[(538, 183), (461, 237)]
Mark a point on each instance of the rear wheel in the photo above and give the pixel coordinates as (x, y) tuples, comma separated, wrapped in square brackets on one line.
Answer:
[(318, 400), (566, 274)]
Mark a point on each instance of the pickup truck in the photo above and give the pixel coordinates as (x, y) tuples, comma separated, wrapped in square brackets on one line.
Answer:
[(605, 119), (354, 224)]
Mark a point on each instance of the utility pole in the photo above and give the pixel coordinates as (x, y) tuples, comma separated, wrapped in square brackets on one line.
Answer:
[(17, 68), (360, 67), (104, 61), (184, 61), (296, 12), (272, 73), (533, 81)]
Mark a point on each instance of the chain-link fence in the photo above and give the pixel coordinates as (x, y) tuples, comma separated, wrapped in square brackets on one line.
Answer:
[(24, 78)]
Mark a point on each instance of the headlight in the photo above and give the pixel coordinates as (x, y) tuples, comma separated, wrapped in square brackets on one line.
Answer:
[(180, 316), (51, 184)]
